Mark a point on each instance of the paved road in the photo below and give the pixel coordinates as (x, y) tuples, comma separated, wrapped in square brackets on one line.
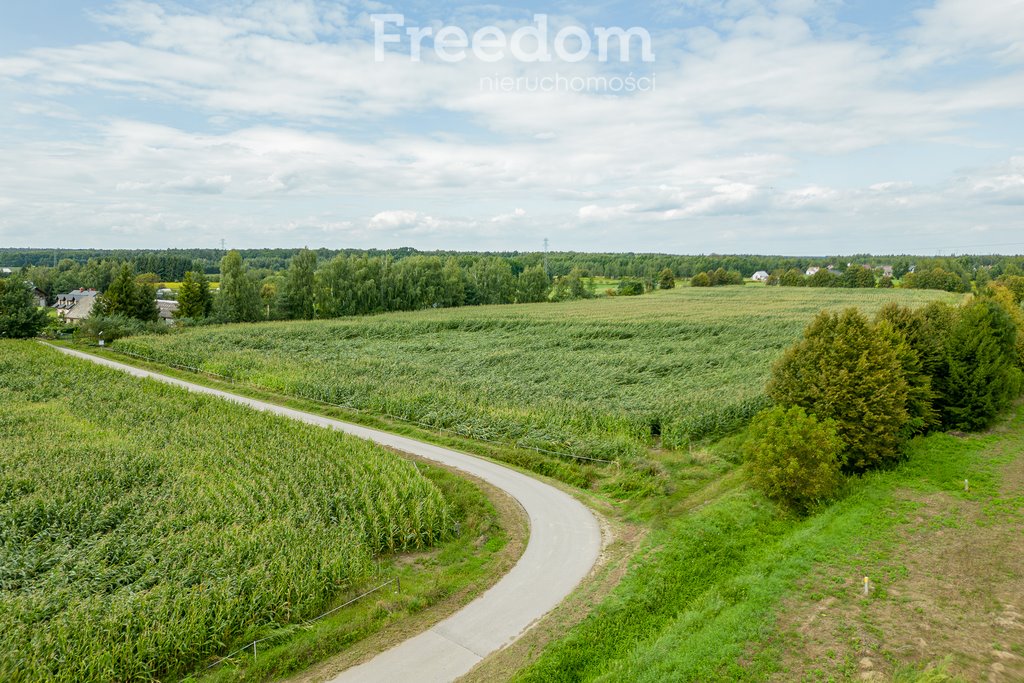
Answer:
[(565, 540)]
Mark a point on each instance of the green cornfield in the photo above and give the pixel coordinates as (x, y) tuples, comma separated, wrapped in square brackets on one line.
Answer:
[(145, 530), (606, 378)]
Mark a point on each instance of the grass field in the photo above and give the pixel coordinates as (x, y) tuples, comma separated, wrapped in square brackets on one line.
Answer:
[(608, 378), (144, 529), (733, 589)]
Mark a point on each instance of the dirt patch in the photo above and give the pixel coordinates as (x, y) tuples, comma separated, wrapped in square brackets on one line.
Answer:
[(950, 589), (511, 517)]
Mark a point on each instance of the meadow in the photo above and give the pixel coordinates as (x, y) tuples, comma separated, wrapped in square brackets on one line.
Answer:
[(144, 529), (732, 588), (609, 378)]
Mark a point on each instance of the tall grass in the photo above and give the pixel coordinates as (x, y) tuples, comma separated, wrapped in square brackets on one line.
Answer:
[(606, 378), (144, 529)]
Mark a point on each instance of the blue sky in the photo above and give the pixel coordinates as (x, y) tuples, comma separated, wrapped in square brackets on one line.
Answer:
[(771, 126)]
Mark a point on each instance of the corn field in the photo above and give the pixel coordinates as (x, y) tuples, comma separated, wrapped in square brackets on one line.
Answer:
[(605, 378), (144, 530)]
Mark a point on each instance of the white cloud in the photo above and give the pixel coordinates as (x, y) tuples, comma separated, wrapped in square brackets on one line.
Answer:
[(303, 133)]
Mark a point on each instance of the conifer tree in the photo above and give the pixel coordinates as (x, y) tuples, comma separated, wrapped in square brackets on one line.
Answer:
[(845, 370), (194, 298), (982, 378)]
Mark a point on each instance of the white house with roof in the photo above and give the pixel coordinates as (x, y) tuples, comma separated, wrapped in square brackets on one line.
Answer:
[(760, 276)]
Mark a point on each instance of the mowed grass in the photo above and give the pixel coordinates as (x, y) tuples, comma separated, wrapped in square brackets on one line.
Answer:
[(732, 588), (607, 378), (144, 529)]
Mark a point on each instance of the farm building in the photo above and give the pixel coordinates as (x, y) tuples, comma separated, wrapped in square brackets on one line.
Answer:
[(812, 270), (75, 306), (760, 276), (167, 309)]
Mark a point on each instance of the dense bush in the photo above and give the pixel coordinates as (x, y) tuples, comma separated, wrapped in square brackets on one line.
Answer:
[(631, 288), (850, 371), (717, 278), (794, 458), (937, 278), (666, 279), (19, 316)]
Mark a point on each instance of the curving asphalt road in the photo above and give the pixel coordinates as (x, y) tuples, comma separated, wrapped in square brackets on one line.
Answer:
[(565, 540)]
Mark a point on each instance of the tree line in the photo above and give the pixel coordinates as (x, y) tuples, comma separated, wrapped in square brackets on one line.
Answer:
[(59, 270)]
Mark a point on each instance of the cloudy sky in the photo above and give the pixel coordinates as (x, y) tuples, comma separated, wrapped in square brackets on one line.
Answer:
[(770, 126)]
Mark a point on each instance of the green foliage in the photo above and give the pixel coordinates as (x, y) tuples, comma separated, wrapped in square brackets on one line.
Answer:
[(794, 458), (112, 327), (700, 280), (822, 278), (194, 299), (19, 316), (157, 528), (983, 377), (631, 287), (921, 349), (238, 300), (857, 277), (937, 278), (127, 297), (298, 286), (572, 286), (847, 370), (793, 278), (491, 281), (666, 279), (533, 285), (1014, 283)]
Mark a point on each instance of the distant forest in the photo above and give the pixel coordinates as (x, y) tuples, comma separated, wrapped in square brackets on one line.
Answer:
[(172, 264)]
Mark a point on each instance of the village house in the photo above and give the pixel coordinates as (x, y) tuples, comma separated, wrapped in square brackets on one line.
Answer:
[(39, 296), (760, 276), (75, 306), (167, 309)]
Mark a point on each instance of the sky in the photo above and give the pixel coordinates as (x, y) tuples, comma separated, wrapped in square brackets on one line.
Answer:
[(749, 126)]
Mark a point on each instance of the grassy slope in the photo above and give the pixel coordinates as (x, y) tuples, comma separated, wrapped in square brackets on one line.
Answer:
[(590, 377), (200, 519), (709, 599)]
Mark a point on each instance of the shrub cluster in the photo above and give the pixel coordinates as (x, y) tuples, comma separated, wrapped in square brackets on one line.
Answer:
[(717, 278), (876, 384)]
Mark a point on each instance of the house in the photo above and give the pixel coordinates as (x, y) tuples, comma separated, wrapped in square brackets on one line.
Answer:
[(887, 271), (167, 309), (75, 306), (4, 272), (760, 276), (39, 296), (812, 270)]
